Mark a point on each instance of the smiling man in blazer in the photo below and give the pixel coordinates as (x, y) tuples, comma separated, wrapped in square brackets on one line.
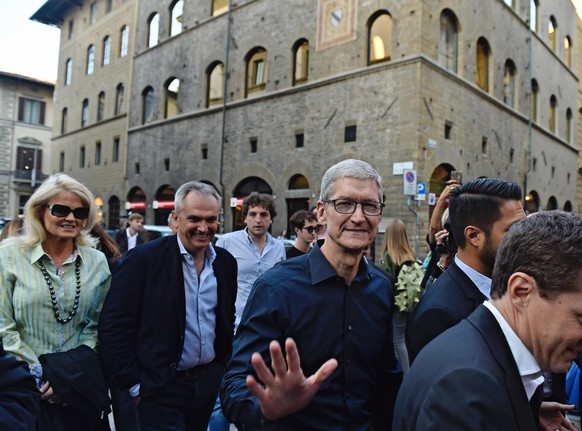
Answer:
[(486, 372), (167, 323)]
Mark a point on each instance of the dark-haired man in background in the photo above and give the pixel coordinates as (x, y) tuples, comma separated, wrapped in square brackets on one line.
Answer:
[(304, 225), (481, 211)]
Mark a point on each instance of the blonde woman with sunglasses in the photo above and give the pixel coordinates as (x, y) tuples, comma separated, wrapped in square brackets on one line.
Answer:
[(52, 285)]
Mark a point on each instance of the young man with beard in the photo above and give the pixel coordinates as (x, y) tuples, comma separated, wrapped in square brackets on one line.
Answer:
[(481, 211), (254, 248)]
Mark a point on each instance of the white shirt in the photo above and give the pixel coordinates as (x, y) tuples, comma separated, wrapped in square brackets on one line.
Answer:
[(131, 240), (529, 370), (482, 282)]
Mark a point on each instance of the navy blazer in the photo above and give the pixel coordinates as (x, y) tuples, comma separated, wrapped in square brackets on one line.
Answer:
[(142, 324), (451, 298), (465, 379)]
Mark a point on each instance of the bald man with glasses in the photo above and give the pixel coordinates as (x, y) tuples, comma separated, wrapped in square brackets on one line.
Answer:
[(314, 346)]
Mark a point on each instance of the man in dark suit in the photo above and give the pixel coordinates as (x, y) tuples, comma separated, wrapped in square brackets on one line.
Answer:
[(485, 373), (167, 323), (481, 211)]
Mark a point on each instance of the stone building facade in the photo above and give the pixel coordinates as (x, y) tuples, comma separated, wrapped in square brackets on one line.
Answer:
[(91, 96), (26, 119), (266, 95), (438, 86)]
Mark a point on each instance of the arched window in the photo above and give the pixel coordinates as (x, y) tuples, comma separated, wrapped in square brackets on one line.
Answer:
[(552, 30), (119, 90), (64, 114), (448, 44), (568, 126), (219, 7), (106, 50), (90, 59), (172, 89), (482, 64), (68, 71), (177, 12), (256, 73), (300, 61), (535, 89), (85, 113), (380, 38), (509, 84), (533, 15), (568, 51), (153, 29), (101, 106), (147, 111), (215, 84), (123, 41), (552, 113)]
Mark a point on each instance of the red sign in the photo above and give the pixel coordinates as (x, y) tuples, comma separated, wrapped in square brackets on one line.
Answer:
[(136, 205), (163, 205)]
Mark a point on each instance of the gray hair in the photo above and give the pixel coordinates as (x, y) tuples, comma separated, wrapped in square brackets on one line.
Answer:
[(194, 186), (350, 168)]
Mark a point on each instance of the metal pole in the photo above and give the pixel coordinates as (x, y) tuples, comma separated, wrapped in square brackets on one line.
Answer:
[(416, 247)]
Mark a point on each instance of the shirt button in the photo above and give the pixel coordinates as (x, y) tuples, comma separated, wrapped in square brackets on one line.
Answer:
[(350, 327), (173, 365)]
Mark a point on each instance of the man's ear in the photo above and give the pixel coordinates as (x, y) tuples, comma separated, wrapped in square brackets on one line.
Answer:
[(474, 236), (520, 287), (320, 211)]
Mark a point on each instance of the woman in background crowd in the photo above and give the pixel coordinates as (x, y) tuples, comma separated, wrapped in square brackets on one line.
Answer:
[(397, 252), (12, 228)]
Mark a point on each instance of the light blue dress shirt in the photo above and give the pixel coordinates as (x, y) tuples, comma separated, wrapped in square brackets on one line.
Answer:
[(201, 302), (251, 263)]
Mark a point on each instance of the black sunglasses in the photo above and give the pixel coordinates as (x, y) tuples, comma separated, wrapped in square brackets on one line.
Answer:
[(59, 210), (311, 229)]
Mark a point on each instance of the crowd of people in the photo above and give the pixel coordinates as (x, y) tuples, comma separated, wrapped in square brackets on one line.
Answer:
[(180, 334)]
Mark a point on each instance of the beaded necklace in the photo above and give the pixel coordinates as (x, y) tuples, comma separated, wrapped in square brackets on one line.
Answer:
[(49, 282)]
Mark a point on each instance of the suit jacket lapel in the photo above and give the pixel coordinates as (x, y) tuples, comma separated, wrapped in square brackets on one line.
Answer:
[(469, 288), (487, 325), (175, 273)]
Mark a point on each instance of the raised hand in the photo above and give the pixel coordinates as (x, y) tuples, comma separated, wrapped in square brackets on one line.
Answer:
[(285, 390)]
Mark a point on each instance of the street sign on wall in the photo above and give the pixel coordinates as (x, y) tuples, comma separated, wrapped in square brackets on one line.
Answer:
[(409, 182)]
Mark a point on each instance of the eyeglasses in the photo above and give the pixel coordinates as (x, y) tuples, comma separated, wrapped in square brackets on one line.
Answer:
[(59, 210), (311, 229), (344, 206)]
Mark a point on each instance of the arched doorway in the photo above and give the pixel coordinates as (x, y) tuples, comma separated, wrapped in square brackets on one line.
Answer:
[(552, 203), (438, 182), (136, 201), (300, 197), (568, 206), (532, 202), (164, 204), (242, 190)]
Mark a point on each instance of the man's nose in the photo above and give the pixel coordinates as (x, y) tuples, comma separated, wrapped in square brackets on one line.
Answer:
[(358, 213)]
